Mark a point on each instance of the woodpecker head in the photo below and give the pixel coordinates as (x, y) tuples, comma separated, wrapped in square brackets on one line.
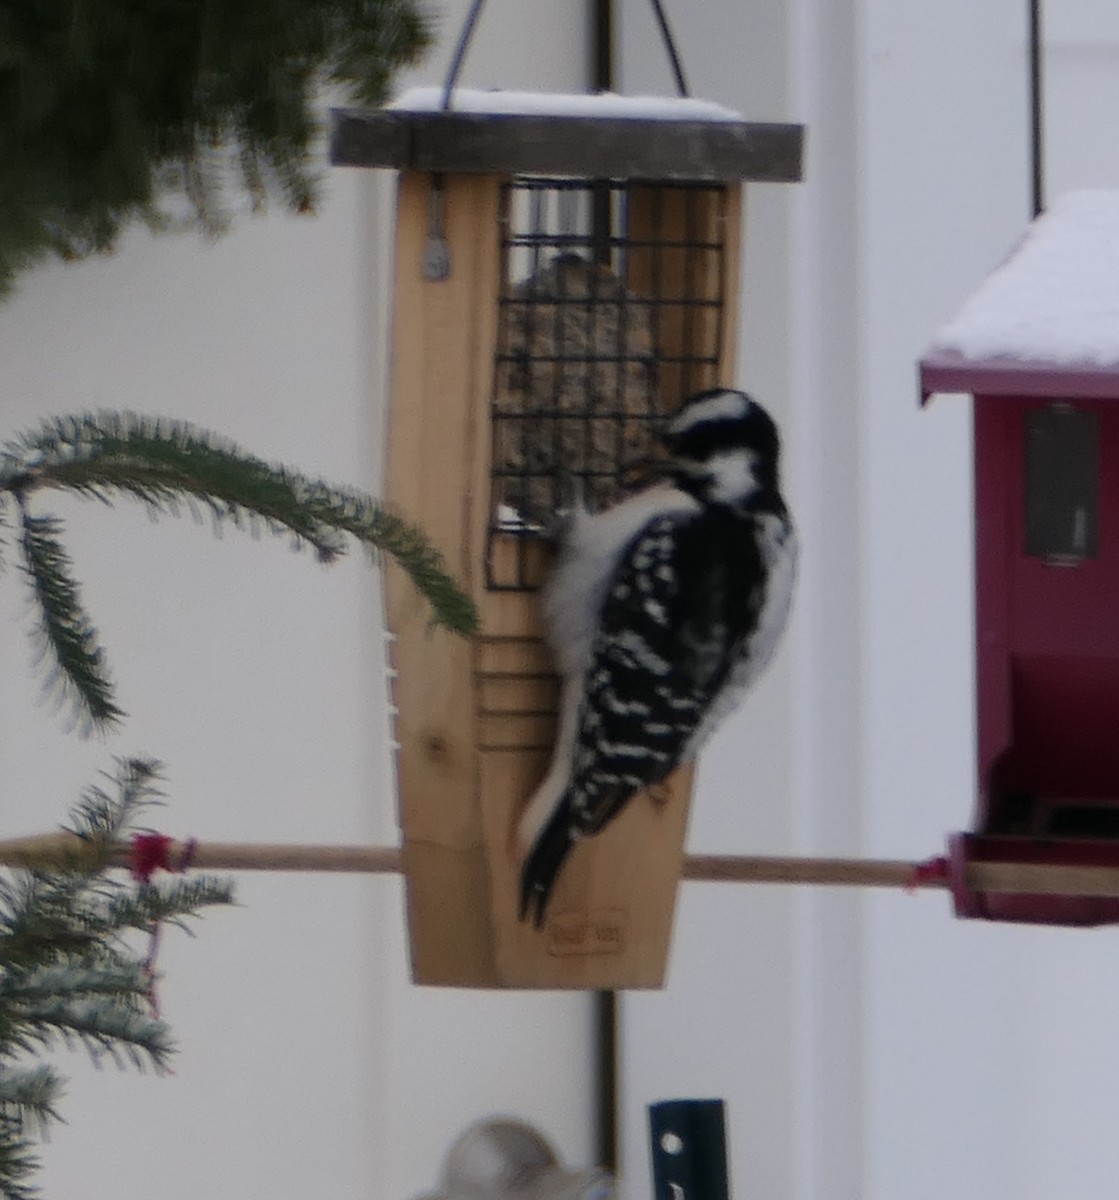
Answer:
[(723, 447)]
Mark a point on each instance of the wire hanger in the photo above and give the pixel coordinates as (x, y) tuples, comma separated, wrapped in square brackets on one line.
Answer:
[(472, 20)]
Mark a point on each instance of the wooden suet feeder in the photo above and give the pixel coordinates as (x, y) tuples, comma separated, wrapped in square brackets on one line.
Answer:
[(1038, 348), (566, 272)]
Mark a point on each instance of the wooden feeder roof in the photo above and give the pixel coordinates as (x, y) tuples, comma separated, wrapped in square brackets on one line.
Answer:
[(1046, 322), (591, 137)]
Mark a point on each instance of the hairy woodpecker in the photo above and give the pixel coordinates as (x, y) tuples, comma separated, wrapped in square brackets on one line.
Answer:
[(661, 612)]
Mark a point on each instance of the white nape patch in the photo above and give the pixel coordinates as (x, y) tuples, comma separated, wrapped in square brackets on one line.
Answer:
[(727, 405), (578, 104), (732, 476)]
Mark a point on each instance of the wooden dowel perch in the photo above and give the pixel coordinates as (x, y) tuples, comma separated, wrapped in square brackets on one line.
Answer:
[(59, 848)]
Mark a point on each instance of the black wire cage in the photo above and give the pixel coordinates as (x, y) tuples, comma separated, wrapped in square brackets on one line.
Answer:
[(610, 313), (561, 283)]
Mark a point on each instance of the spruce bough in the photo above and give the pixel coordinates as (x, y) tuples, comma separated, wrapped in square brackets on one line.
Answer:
[(172, 466), (169, 111), (68, 973)]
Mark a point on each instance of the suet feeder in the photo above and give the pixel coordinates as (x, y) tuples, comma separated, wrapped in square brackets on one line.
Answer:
[(565, 274), (1038, 348)]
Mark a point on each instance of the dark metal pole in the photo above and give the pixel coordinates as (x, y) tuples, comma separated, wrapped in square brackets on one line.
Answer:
[(603, 79), (606, 1035), (1037, 108), (602, 45)]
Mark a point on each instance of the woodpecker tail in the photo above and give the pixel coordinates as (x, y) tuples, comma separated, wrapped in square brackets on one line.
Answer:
[(542, 866)]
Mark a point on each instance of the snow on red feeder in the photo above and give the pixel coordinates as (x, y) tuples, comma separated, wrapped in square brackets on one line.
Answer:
[(1038, 348)]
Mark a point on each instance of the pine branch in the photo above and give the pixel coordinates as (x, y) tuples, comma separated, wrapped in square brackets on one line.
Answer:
[(169, 465), (77, 908), (382, 531), (17, 1163), (67, 971), (98, 977), (121, 1032), (169, 902), (30, 1095), (210, 100), (67, 907), (35, 926), (66, 635), (163, 463), (101, 819)]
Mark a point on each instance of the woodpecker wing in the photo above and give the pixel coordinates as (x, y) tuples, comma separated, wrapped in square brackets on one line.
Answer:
[(676, 618)]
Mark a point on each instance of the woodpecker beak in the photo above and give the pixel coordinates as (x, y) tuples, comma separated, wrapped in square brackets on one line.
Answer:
[(688, 468)]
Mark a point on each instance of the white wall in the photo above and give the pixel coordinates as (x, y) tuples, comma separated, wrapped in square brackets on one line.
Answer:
[(1081, 94), (309, 1065), (945, 191), (872, 1045), (991, 1059)]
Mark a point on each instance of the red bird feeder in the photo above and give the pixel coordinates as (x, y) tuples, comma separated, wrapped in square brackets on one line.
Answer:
[(1038, 348)]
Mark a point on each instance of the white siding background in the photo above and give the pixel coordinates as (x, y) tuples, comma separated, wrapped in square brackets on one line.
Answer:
[(309, 1066), (868, 1046)]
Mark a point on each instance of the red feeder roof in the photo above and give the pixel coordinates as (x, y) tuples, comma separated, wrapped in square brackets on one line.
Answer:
[(950, 371)]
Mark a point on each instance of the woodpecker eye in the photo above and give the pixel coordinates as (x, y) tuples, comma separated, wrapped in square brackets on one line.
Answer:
[(697, 445)]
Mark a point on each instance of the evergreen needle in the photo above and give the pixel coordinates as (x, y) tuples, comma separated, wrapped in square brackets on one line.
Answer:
[(68, 972), (170, 466), (169, 111), (66, 635)]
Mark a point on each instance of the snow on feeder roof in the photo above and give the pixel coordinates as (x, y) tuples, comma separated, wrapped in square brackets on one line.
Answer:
[(1045, 323), (603, 136), (565, 104)]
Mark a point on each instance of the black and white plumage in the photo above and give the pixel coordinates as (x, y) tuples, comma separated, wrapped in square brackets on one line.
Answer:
[(661, 613)]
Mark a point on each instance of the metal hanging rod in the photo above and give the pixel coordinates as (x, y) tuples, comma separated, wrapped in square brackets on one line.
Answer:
[(1036, 39), (670, 47), (471, 23)]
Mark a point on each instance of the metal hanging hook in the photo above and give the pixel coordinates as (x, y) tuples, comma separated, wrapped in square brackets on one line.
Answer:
[(437, 254)]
